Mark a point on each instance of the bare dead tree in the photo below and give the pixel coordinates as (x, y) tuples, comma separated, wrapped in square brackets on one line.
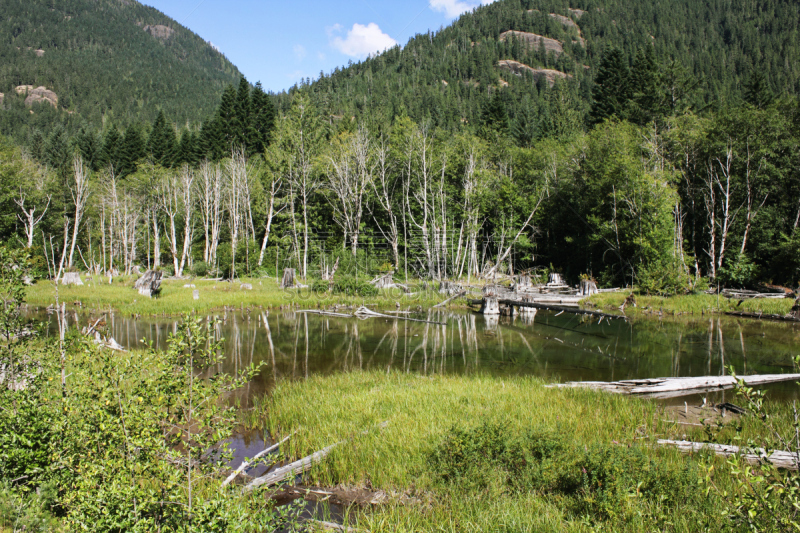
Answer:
[(276, 167), (28, 217), (350, 173), (384, 186), (80, 193), (210, 198), (236, 178)]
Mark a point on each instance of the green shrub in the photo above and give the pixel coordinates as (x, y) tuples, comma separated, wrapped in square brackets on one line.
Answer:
[(200, 269), (353, 287)]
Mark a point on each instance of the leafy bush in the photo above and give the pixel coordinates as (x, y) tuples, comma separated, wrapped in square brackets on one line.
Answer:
[(666, 277), (740, 272), (351, 286), (200, 269)]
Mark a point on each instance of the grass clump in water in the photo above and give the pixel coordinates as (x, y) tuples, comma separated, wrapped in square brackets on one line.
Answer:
[(477, 453)]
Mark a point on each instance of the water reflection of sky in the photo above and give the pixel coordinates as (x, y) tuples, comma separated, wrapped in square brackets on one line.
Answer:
[(558, 348)]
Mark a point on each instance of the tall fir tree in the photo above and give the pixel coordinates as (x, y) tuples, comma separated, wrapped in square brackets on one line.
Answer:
[(242, 124), (263, 120), (132, 150), (226, 120), (646, 102), (611, 92)]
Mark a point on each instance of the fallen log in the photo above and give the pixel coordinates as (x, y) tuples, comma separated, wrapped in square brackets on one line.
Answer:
[(781, 459), (762, 316), (363, 312), (298, 467), (246, 464), (675, 387), (442, 304), (325, 313), (562, 309)]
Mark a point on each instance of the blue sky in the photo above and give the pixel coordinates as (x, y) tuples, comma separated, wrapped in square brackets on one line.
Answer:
[(281, 42)]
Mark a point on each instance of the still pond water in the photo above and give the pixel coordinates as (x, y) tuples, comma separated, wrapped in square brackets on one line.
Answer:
[(564, 347)]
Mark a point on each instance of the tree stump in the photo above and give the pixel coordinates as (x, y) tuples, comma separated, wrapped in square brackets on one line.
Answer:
[(491, 306), (588, 287), (288, 280), (196, 295), (556, 279), (149, 284), (71, 278), (386, 281), (246, 287), (449, 288)]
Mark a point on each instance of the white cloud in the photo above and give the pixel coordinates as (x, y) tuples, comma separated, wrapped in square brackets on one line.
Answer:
[(361, 40), (299, 52), (453, 8)]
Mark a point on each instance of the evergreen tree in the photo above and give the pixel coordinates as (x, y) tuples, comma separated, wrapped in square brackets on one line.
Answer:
[(263, 120), (110, 154), (57, 153), (226, 120), (132, 150), (242, 126), (646, 101), (612, 90), (89, 146), (757, 91), (37, 144), (495, 115)]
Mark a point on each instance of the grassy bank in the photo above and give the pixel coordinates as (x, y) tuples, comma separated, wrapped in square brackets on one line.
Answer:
[(490, 454), (175, 299), (693, 304)]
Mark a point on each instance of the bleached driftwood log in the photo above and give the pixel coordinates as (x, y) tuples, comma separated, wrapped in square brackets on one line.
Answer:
[(324, 313), (781, 459), (149, 284), (674, 387), (386, 281), (363, 312), (442, 304), (246, 464)]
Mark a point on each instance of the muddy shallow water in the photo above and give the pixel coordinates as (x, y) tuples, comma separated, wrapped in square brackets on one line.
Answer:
[(555, 347)]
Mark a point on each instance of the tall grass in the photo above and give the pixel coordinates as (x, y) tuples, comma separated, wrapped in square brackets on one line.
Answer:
[(421, 411), (694, 304), (175, 300)]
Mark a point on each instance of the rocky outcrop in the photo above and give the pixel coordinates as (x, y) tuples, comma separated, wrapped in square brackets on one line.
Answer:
[(159, 31), (577, 13), (39, 53), (37, 95), (533, 41), (520, 69), (570, 24)]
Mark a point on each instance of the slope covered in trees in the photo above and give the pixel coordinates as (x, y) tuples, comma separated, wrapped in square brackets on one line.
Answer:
[(707, 53), (108, 62)]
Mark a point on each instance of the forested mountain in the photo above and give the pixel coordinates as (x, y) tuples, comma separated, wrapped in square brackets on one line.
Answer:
[(106, 61), (708, 53)]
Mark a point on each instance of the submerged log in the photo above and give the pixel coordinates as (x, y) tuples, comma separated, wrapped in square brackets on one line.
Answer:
[(149, 284), (324, 313), (675, 387), (442, 304), (781, 459), (246, 464), (536, 305), (792, 317), (363, 312)]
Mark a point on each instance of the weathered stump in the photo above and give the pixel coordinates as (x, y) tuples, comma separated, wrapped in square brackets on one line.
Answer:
[(588, 287), (385, 281), (491, 306), (449, 288), (71, 278), (196, 295), (246, 287), (288, 280), (524, 282), (149, 284), (556, 279)]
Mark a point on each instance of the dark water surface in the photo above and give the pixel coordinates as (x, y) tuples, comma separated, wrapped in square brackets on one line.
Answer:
[(567, 347)]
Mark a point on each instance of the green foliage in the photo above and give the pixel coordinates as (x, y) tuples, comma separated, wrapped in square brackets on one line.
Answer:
[(763, 497), (739, 272), (352, 286), (599, 483)]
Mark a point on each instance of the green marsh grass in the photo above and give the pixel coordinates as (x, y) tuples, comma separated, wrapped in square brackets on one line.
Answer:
[(175, 300), (694, 304), (422, 411)]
